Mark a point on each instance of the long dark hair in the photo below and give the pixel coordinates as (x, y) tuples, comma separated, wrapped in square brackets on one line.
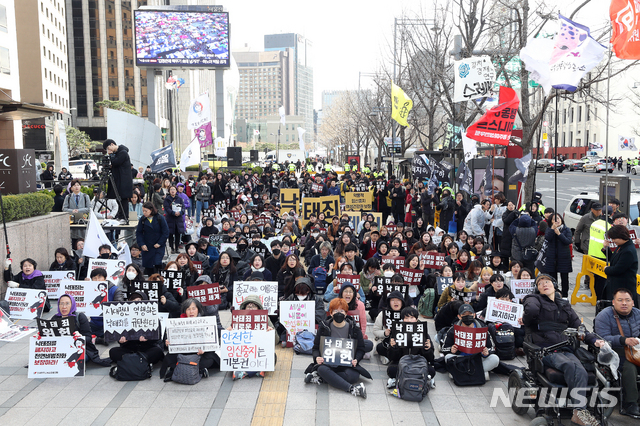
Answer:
[(217, 266), (149, 206), (187, 303)]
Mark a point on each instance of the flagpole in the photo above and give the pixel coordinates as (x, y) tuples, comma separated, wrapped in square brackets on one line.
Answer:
[(606, 152), (555, 167)]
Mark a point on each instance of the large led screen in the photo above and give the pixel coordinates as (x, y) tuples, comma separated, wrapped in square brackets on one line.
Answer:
[(181, 39)]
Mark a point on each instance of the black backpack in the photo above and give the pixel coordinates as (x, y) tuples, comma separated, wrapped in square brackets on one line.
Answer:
[(413, 378), (504, 338), (132, 367)]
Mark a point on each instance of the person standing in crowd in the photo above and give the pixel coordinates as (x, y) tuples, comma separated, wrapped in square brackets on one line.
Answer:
[(557, 257), (583, 229), (151, 234), (398, 196), (48, 176), (121, 172), (621, 273), (461, 210), (446, 207), (174, 210)]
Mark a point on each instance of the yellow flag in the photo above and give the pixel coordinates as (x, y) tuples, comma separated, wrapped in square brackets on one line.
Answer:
[(401, 104)]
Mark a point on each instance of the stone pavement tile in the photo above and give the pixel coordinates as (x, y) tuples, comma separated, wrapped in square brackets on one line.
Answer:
[(475, 404), (374, 418), (87, 383), (214, 417), (299, 417), (4, 395), (81, 417), (484, 419), (299, 386), (127, 416), (37, 398), (16, 382), (157, 417), (109, 383), (50, 417), (210, 383), (397, 404), (248, 384), (153, 384), (430, 418), (199, 399), (140, 399), (402, 418), (339, 418), (16, 360), (449, 418), (514, 419), (190, 416), (96, 399), (170, 397), (374, 402), (243, 400), (444, 403), (376, 386), (235, 417), (425, 404), (17, 416), (466, 391), (443, 387), (488, 388), (301, 400), (70, 399)]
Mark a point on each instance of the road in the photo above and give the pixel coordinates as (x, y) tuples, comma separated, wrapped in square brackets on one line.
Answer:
[(572, 183)]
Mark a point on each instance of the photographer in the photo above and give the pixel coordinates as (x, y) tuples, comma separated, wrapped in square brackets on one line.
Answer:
[(121, 172)]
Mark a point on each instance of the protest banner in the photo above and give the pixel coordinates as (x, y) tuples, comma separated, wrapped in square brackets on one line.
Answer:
[(215, 240), (188, 335), (521, 288), (315, 190), (503, 311), (52, 281), (235, 214), (343, 278), (474, 78), (131, 320), (114, 267), (198, 266), (356, 217), (266, 290), (358, 201), (389, 317), (465, 296), (384, 286), (247, 350), (173, 280), (297, 316), (262, 220), (10, 332), (337, 352), (56, 327), (397, 262), (150, 288), (290, 199), (409, 334), (207, 294), (442, 283), (25, 303), (89, 295), (56, 357), (249, 319), (411, 276), (329, 205), (433, 260), (470, 340)]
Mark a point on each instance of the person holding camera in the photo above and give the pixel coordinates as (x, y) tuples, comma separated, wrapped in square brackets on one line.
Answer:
[(121, 172)]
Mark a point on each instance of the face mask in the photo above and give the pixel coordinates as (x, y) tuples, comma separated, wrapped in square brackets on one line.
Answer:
[(288, 234), (315, 234), (467, 319), (339, 317), (256, 243), (131, 275), (104, 256), (242, 247), (301, 296), (388, 273), (275, 251)]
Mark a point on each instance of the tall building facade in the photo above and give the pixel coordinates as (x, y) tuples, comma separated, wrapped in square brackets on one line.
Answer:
[(302, 72)]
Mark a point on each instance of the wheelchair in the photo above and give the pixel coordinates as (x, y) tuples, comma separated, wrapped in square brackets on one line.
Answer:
[(541, 387)]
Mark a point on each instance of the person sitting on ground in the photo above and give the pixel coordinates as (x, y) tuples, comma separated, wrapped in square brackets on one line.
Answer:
[(136, 255), (333, 289), (357, 313), (224, 273), (257, 265), (29, 277), (114, 294), (166, 300), (338, 325), (497, 282), (395, 303), (190, 308), (304, 291), (445, 317), (451, 292)]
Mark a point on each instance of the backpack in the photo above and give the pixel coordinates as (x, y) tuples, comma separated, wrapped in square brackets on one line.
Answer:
[(504, 338), (303, 342), (320, 278), (413, 376), (425, 305), (132, 367), (187, 370)]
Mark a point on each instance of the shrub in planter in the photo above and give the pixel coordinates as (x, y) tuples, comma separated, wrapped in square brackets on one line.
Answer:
[(22, 206)]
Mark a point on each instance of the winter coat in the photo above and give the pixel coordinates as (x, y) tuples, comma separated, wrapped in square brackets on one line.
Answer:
[(461, 212), (449, 340), (558, 252), (151, 232), (319, 309), (622, 270), (83, 327), (378, 325), (315, 262), (447, 205), (203, 259), (174, 223), (523, 230), (68, 265), (121, 172), (507, 240), (36, 282), (583, 231), (203, 192), (224, 277), (606, 326), (265, 273), (475, 221)]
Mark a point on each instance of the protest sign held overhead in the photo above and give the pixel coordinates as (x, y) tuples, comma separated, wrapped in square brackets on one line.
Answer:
[(420, 167), (389, 317), (247, 350), (496, 124), (267, 291), (433, 259), (188, 335), (52, 281), (384, 286), (470, 340), (358, 201), (26, 303), (329, 205), (344, 278), (114, 267), (249, 319), (131, 320), (290, 199), (397, 262), (56, 357)]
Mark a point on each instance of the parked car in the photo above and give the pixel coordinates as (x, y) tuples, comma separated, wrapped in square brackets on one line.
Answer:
[(573, 165), (548, 164), (597, 165), (76, 167), (635, 170), (581, 205)]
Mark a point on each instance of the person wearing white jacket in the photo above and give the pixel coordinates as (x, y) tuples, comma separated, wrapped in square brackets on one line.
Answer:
[(497, 225), (476, 219), (104, 209)]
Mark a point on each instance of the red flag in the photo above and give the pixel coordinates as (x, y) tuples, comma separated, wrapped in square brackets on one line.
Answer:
[(625, 18), (496, 124)]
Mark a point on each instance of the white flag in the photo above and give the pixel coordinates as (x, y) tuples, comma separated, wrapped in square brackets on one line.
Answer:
[(469, 145), (256, 132), (95, 237), (125, 253), (301, 132), (190, 156), (281, 111), (199, 112)]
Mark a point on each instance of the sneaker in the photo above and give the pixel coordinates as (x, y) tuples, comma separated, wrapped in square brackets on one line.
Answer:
[(168, 374), (367, 355), (359, 390), (391, 383), (261, 374), (432, 383), (486, 376), (204, 373), (584, 418), (631, 410), (101, 341), (313, 378), (239, 375), (520, 352), (384, 360)]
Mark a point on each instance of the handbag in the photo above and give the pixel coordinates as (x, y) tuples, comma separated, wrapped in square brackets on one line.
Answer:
[(453, 225), (132, 367), (529, 254), (632, 355), (466, 370)]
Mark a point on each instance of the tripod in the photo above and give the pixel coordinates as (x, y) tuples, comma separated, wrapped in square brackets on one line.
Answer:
[(106, 177)]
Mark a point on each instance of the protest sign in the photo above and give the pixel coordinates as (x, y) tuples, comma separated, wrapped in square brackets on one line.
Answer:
[(247, 350), (411, 276), (474, 78), (10, 332), (384, 286), (208, 212), (297, 316), (389, 317), (52, 281), (453, 134), (198, 266), (358, 201), (290, 199), (470, 340), (249, 319), (329, 205), (56, 357), (409, 334), (172, 279), (266, 290), (131, 320), (215, 240), (207, 294), (262, 220), (337, 352), (397, 262), (26, 303), (465, 296), (89, 295), (481, 286), (56, 327), (436, 240), (433, 260), (150, 288), (188, 335), (226, 246), (392, 229), (114, 267), (359, 187), (521, 288), (356, 217), (442, 283), (343, 278), (503, 311)]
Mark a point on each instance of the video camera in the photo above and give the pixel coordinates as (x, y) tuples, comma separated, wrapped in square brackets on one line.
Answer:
[(105, 164)]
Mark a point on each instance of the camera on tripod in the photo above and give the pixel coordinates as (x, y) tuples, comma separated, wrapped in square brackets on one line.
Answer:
[(105, 164)]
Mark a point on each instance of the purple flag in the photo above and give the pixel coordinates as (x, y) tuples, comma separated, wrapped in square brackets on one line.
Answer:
[(203, 133)]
